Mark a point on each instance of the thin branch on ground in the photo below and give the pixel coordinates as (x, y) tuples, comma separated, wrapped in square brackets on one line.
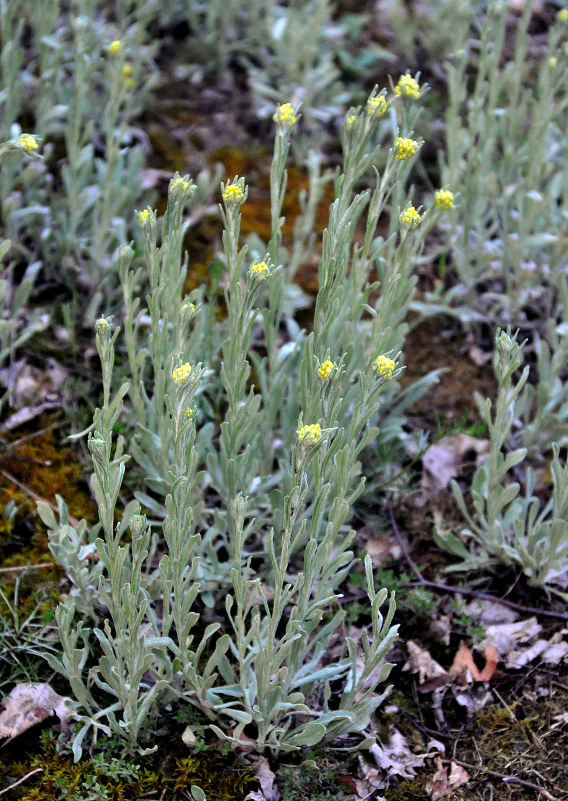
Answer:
[(73, 520), (39, 566), (23, 779), (508, 779), (484, 596)]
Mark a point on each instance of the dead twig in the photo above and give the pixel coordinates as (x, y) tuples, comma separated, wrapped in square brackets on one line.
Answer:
[(38, 566), (505, 778), (23, 779), (483, 596), (34, 495)]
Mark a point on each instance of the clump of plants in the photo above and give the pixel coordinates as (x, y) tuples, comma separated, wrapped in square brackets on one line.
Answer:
[(245, 449)]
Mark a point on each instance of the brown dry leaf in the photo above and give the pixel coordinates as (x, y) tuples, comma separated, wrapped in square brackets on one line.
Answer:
[(463, 660), (489, 613), (31, 385), (505, 636), (371, 781), (441, 785), (441, 628), (383, 550), (478, 356), (266, 780), (552, 652), (491, 662), (422, 663), (397, 759), (443, 461), (437, 786), (29, 704), (151, 178), (473, 698)]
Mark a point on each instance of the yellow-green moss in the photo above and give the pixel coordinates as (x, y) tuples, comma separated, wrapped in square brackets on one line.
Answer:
[(221, 775)]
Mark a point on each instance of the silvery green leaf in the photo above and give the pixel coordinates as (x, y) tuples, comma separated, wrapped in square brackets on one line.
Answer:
[(310, 734)]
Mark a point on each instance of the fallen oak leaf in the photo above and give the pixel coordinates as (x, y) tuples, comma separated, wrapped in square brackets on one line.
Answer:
[(441, 784), (266, 780), (444, 460), (505, 636), (421, 662), (491, 662), (29, 704), (463, 661), (437, 786)]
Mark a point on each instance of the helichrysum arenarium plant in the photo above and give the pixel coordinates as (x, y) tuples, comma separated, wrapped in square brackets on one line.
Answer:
[(248, 483), (288, 49), (17, 323), (509, 526), (79, 76), (506, 152)]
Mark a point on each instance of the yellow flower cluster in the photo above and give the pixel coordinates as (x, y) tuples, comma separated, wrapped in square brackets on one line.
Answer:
[(285, 115), (563, 15), (326, 368), (186, 186), (144, 216), (115, 46), (405, 148), (444, 199), (410, 217), (259, 270), (127, 74), (310, 434), (376, 106), (189, 413), (384, 366), (407, 86), (27, 142), (181, 373), (233, 195), (349, 121)]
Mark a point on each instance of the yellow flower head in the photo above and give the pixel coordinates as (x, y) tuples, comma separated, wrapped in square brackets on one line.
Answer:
[(410, 217), (181, 373), (310, 434), (185, 184), (259, 270), (552, 62), (115, 46), (326, 369), (189, 413), (233, 195), (27, 142), (407, 86), (102, 324), (145, 216), (285, 115), (350, 120), (405, 148), (384, 366), (444, 199), (376, 106), (563, 15), (127, 74)]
